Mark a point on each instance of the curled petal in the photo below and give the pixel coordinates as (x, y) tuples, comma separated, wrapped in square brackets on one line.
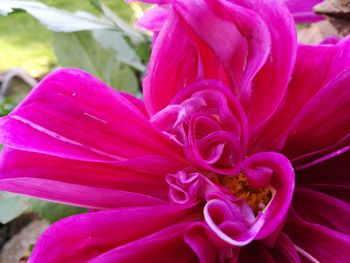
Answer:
[(184, 186), (246, 36), (230, 225), (282, 183), (208, 122), (218, 152), (236, 42)]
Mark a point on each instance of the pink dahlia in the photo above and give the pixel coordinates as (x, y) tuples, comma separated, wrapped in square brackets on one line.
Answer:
[(238, 153)]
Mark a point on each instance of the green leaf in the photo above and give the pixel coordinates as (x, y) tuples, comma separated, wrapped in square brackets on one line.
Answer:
[(7, 105), (11, 206), (53, 211), (103, 53), (14, 205), (56, 19), (96, 4), (135, 36)]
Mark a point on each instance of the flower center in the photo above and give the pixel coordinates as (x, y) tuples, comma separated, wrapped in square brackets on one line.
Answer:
[(238, 185)]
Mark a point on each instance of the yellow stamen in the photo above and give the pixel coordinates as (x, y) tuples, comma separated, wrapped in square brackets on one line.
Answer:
[(257, 199)]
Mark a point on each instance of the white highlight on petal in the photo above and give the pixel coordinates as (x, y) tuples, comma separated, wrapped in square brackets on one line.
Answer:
[(305, 254)]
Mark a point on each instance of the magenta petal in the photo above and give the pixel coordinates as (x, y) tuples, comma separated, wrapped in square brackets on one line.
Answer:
[(330, 176), (154, 18), (137, 178), (84, 237), (323, 120), (88, 120), (173, 64), (229, 225), (316, 242), (327, 174), (196, 238), (307, 80), (237, 35), (322, 209), (302, 10), (284, 250), (167, 245), (282, 183), (79, 195)]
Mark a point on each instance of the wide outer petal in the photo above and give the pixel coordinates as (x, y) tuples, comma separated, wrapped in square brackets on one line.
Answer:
[(307, 80), (84, 237), (317, 242), (322, 209), (73, 115), (173, 64), (330, 176), (284, 251), (323, 122), (91, 184), (167, 245)]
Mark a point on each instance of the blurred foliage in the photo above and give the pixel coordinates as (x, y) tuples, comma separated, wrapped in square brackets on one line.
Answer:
[(117, 56), (53, 212), (25, 43), (13, 205), (7, 105)]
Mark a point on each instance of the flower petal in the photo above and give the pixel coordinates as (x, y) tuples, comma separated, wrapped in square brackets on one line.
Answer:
[(284, 250), (323, 121), (230, 41), (172, 65), (307, 80), (317, 242), (282, 182), (322, 209), (73, 115), (84, 237), (164, 246), (302, 10), (246, 39), (128, 183), (196, 238)]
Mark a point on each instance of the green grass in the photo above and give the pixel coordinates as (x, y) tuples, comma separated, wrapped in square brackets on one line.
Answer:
[(25, 43)]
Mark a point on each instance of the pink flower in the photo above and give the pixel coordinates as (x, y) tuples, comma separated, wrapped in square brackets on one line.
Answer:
[(201, 169)]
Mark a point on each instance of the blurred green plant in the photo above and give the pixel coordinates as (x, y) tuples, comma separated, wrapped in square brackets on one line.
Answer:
[(14, 205), (104, 45)]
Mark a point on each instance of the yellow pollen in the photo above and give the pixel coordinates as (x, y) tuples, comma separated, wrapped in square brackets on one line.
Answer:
[(257, 199)]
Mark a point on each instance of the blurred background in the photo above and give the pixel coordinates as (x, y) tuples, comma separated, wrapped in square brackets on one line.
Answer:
[(26, 43)]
